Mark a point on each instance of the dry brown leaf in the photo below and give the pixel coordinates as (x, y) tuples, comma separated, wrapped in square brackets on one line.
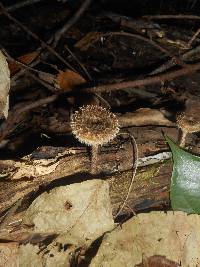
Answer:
[(67, 80), (4, 86), (25, 59), (174, 235), (157, 261)]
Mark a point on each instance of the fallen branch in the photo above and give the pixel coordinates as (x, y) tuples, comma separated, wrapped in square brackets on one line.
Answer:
[(146, 81)]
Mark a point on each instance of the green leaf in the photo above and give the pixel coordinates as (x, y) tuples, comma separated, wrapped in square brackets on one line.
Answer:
[(185, 180)]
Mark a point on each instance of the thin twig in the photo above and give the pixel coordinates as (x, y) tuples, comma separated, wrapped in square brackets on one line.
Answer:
[(186, 57), (144, 82), (142, 38), (193, 38), (21, 4), (134, 169), (42, 82), (33, 35), (24, 66), (78, 61), (180, 16), (70, 22)]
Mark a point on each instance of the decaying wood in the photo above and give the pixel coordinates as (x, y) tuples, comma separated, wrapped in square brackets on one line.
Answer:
[(24, 179), (47, 164)]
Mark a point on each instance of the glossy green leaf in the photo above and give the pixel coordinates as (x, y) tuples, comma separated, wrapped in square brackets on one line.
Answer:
[(185, 180)]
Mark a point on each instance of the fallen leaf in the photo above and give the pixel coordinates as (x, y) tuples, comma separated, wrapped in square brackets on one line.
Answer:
[(157, 261), (173, 235), (58, 253), (29, 256), (78, 213), (83, 209), (144, 116), (185, 180), (4, 86), (9, 254), (25, 59), (67, 80)]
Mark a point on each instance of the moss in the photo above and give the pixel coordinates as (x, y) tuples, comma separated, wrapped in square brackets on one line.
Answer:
[(150, 171)]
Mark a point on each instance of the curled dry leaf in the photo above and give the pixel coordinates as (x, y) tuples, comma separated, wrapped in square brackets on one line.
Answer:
[(68, 79), (173, 235), (4, 86)]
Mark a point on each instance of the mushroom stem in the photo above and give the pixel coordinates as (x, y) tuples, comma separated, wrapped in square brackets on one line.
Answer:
[(94, 159), (182, 137)]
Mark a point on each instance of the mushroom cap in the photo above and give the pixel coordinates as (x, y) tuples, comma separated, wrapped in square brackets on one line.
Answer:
[(94, 125), (188, 123)]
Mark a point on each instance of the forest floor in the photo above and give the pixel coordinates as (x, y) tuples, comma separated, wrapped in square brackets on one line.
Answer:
[(139, 61)]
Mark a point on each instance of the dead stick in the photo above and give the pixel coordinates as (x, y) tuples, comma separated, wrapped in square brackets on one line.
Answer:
[(21, 4), (71, 22), (143, 82), (33, 35), (180, 16)]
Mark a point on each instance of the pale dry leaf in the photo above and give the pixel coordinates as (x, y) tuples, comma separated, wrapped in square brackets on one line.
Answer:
[(4, 86), (174, 235), (144, 116), (58, 253), (81, 209), (9, 254), (29, 255)]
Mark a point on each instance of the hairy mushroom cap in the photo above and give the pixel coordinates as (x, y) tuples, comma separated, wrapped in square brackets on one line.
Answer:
[(188, 123), (94, 125)]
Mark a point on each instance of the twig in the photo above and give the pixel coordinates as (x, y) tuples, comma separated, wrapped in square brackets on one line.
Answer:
[(78, 61), (70, 22), (180, 16), (193, 38), (134, 169), (186, 57), (33, 35), (146, 81), (142, 38), (21, 4), (24, 66), (42, 82)]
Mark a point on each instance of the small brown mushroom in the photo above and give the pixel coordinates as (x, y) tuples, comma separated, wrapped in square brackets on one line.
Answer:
[(187, 123), (94, 126)]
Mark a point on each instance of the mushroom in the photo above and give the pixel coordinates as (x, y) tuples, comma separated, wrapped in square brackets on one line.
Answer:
[(94, 126), (187, 123)]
